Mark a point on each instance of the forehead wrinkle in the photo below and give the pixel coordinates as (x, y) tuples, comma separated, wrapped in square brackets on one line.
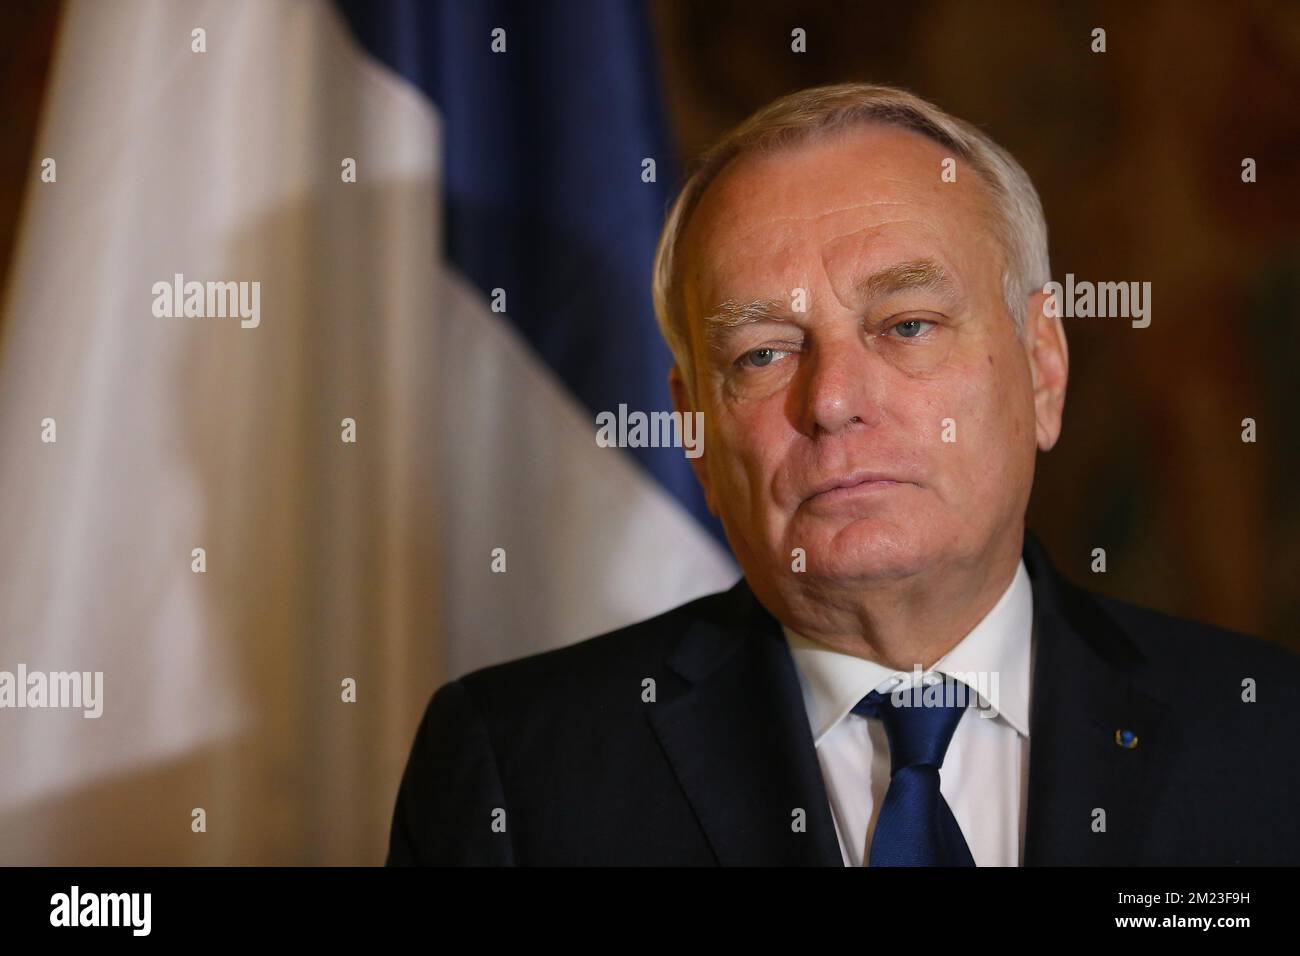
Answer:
[(875, 226), (837, 211), (731, 312), (867, 236)]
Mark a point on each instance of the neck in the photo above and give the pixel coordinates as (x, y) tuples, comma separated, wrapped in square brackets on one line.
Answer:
[(904, 622)]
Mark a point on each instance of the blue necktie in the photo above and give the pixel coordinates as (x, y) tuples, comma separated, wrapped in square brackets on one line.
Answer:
[(915, 826)]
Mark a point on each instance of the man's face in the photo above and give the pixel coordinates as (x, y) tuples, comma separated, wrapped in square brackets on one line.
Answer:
[(877, 410)]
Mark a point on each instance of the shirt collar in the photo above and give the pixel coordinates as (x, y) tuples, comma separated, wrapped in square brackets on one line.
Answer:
[(997, 647)]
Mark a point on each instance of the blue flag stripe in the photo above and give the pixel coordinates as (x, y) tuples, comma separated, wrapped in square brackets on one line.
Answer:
[(545, 198)]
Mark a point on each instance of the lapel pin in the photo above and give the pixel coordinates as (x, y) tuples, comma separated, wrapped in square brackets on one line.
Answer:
[(1126, 739)]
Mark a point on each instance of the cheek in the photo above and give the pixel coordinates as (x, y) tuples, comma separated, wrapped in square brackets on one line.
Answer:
[(983, 399), (1007, 439), (743, 449), (762, 424), (1015, 404)]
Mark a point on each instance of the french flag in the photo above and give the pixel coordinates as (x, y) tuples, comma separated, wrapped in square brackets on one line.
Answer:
[(276, 539)]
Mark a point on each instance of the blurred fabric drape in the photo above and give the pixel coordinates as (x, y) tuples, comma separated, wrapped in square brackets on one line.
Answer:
[(326, 560)]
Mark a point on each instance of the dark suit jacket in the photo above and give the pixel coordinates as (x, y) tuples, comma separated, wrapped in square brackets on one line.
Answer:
[(565, 752)]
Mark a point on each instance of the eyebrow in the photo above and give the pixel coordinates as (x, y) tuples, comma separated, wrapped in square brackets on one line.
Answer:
[(730, 315), (915, 274)]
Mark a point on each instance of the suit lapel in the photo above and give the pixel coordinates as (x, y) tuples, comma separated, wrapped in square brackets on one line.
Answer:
[(739, 741), (1087, 684)]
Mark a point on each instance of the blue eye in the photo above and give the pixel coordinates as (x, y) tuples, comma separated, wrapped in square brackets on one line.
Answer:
[(911, 328), (763, 357)]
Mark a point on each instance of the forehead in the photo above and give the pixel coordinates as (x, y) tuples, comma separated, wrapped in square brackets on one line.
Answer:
[(855, 200)]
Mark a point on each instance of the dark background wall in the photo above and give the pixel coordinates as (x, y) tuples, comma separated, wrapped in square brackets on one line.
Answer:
[(27, 29), (1137, 154)]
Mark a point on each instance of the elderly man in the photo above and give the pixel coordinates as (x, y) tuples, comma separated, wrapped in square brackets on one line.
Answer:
[(852, 286)]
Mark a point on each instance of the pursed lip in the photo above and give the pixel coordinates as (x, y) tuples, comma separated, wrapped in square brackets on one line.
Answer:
[(853, 480)]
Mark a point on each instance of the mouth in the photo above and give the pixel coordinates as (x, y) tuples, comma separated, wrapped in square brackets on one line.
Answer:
[(859, 482)]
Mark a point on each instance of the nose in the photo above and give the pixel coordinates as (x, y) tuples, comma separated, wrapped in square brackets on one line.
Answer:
[(842, 386)]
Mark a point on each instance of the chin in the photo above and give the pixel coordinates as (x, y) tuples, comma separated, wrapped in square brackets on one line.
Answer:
[(873, 549)]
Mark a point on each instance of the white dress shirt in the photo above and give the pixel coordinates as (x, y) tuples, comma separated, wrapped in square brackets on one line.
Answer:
[(986, 769)]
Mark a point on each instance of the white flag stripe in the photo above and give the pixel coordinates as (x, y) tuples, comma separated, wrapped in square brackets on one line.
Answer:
[(325, 560)]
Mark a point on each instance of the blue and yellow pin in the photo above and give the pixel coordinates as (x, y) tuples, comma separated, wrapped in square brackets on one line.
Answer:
[(1126, 739)]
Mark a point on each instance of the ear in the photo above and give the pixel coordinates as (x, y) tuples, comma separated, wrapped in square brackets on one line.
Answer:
[(1049, 366), (683, 404)]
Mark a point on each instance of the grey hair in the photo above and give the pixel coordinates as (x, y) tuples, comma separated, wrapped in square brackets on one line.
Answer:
[(1020, 227)]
